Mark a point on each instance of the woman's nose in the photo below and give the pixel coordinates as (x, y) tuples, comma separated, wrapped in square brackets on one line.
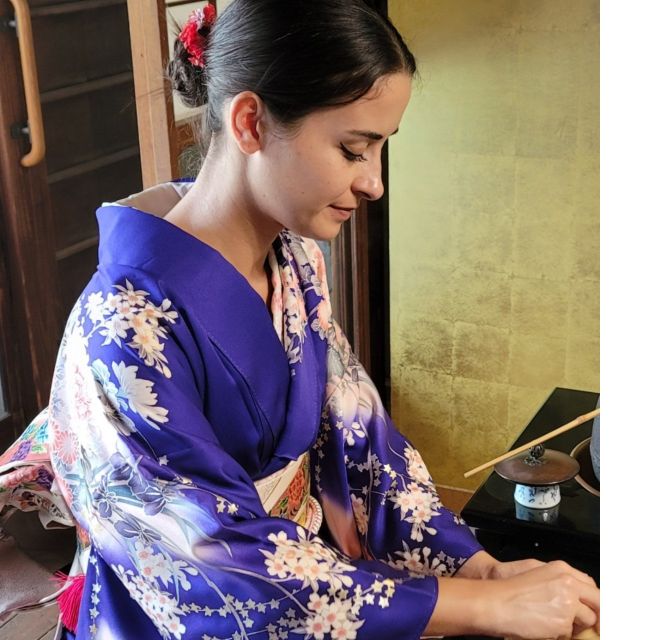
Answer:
[(369, 184)]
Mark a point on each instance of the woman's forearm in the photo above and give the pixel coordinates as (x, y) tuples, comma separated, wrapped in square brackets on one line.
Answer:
[(461, 608)]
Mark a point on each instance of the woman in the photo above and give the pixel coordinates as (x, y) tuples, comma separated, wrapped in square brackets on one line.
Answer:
[(229, 464)]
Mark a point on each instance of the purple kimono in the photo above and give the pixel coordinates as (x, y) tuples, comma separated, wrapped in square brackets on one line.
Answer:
[(174, 392)]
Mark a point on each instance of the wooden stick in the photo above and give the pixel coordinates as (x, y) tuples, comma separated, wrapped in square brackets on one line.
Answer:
[(556, 432)]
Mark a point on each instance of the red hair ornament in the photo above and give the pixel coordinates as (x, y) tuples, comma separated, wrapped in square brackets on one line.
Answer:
[(194, 35)]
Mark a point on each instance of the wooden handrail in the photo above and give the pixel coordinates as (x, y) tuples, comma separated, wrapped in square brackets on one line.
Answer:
[(30, 81)]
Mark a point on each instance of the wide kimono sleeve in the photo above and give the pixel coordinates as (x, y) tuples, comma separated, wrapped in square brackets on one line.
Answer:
[(179, 543), (378, 498)]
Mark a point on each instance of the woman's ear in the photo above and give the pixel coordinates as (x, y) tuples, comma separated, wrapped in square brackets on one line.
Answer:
[(246, 112)]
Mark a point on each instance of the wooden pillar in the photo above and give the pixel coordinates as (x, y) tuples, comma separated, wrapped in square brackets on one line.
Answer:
[(153, 92)]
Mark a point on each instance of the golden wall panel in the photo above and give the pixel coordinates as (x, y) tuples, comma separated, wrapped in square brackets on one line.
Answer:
[(494, 222)]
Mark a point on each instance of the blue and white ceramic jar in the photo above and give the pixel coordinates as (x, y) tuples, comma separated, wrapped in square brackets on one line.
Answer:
[(537, 497)]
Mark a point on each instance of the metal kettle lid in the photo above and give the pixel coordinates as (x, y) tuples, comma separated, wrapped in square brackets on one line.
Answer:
[(538, 467)]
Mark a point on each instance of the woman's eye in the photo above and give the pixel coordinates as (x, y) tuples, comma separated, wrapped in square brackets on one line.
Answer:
[(353, 157)]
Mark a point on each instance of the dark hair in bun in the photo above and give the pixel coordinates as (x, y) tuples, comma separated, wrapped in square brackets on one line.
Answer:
[(297, 55), (188, 80)]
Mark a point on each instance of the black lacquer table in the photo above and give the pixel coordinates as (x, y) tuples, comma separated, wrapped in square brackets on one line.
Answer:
[(573, 534)]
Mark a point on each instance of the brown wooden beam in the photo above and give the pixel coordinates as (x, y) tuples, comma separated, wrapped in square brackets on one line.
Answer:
[(153, 93)]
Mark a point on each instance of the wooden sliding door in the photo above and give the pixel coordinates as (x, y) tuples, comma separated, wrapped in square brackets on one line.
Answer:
[(48, 230)]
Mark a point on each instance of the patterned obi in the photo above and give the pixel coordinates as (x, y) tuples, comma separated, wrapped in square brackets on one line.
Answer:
[(287, 494)]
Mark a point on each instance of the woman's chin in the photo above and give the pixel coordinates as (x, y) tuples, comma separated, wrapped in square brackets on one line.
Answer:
[(322, 232)]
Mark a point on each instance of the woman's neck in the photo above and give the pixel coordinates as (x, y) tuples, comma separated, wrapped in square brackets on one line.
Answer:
[(219, 211)]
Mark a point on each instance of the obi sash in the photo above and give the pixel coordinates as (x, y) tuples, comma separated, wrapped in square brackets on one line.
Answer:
[(287, 494)]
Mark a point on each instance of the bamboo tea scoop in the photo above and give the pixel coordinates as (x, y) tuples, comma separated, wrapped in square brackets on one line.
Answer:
[(556, 432)]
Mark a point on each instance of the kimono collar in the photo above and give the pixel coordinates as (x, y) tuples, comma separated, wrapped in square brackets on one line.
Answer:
[(205, 286)]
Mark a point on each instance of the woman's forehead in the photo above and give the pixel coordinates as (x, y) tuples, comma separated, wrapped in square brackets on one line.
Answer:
[(375, 115)]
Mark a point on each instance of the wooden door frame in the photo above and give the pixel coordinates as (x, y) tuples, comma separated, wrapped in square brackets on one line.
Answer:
[(161, 137), (361, 286), (31, 304), (153, 92)]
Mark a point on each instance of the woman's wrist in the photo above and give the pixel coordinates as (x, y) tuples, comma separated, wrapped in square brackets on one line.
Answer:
[(480, 566), (464, 607)]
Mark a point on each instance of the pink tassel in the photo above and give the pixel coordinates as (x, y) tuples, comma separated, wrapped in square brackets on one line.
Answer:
[(69, 602)]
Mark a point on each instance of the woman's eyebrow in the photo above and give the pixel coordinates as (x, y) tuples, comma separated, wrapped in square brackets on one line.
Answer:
[(371, 135)]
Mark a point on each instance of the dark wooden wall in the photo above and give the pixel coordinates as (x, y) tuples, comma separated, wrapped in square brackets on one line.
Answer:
[(48, 230)]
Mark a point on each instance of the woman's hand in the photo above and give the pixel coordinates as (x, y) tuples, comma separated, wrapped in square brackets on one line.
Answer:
[(553, 600), (483, 566), (501, 570)]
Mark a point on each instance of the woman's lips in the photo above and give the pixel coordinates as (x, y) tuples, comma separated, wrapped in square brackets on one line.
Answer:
[(342, 212)]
